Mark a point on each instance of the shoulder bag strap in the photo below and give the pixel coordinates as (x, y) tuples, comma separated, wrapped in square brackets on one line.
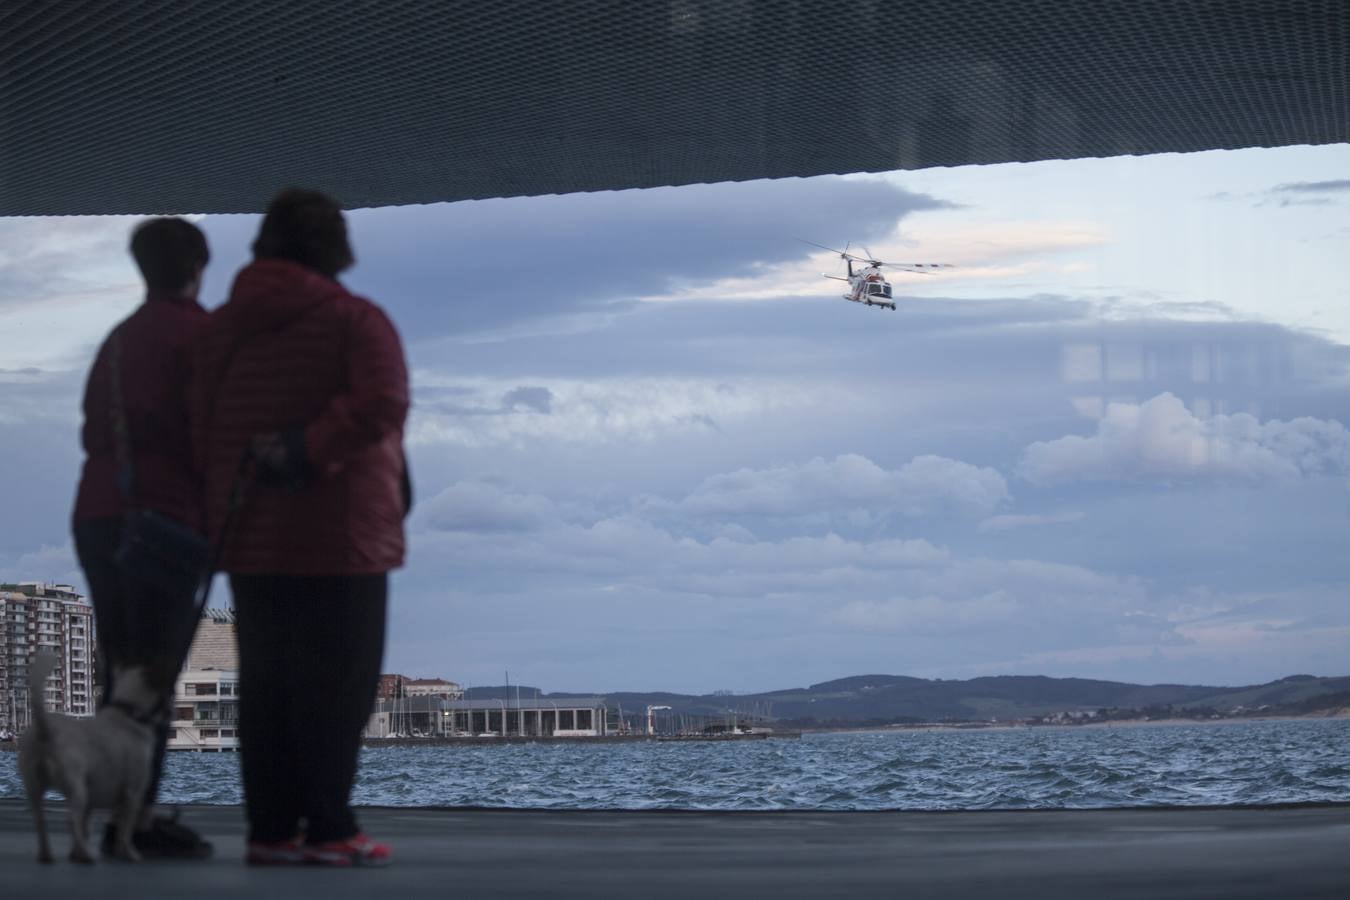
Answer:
[(126, 473)]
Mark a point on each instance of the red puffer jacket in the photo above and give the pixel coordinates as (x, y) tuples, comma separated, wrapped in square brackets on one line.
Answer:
[(156, 340), (292, 349)]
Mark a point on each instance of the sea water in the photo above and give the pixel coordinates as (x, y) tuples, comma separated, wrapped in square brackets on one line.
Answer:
[(1016, 768)]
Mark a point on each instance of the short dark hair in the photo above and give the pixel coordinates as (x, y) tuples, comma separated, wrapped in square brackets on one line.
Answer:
[(169, 252), (305, 227)]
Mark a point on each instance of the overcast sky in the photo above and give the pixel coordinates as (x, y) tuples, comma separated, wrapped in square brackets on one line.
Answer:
[(653, 449)]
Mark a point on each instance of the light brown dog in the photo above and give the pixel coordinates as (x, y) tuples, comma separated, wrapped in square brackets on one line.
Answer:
[(96, 763)]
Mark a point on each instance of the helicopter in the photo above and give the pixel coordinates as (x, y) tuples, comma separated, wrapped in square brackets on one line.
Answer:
[(867, 285)]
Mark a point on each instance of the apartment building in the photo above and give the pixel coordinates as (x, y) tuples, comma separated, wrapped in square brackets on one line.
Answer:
[(52, 618)]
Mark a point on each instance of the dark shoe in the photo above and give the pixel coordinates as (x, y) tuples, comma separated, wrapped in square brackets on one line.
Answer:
[(166, 838)]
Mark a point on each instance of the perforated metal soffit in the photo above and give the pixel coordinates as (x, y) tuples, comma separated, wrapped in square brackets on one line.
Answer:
[(140, 107)]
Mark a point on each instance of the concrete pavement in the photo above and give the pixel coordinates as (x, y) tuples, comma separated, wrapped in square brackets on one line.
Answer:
[(1234, 852)]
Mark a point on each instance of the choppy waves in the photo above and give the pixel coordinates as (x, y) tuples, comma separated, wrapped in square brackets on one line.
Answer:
[(1252, 762)]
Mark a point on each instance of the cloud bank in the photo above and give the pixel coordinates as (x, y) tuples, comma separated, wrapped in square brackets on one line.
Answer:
[(1161, 439)]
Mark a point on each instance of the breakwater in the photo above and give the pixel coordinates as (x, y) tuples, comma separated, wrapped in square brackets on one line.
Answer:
[(489, 740)]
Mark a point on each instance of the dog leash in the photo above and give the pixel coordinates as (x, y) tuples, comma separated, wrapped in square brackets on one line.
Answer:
[(243, 476), (238, 493)]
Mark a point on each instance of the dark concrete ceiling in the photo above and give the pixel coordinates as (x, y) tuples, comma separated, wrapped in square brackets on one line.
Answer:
[(157, 107)]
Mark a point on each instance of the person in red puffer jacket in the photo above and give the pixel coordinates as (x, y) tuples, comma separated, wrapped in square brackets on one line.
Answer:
[(146, 360), (309, 381)]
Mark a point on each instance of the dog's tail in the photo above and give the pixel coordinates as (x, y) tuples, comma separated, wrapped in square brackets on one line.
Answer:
[(42, 666)]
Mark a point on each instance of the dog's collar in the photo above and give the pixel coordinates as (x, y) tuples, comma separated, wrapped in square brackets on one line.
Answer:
[(151, 717)]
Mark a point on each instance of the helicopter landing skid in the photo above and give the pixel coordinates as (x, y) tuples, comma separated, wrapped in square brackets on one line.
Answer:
[(890, 306)]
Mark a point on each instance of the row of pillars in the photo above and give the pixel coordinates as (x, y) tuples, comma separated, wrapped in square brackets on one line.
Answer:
[(528, 722)]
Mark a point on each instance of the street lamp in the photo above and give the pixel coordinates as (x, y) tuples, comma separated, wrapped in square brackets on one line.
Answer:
[(651, 719), (503, 703)]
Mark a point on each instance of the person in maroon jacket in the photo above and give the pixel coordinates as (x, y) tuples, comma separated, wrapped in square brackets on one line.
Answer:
[(138, 624), (309, 380)]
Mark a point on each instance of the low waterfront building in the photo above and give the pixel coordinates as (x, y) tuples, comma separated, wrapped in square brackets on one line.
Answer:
[(434, 716), (206, 695), (45, 618), (433, 687), (206, 711), (394, 686)]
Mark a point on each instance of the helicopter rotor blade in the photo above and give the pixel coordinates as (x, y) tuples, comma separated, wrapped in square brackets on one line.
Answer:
[(911, 267), (823, 247), (871, 260)]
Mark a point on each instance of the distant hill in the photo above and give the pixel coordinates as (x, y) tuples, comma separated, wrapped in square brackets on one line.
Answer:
[(866, 699)]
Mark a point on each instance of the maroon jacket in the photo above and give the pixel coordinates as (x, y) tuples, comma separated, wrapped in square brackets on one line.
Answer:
[(293, 350), (156, 341)]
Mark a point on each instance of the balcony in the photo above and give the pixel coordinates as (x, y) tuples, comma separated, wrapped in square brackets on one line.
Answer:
[(209, 722)]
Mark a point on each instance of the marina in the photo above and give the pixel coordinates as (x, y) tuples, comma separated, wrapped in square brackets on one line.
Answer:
[(449, 718)]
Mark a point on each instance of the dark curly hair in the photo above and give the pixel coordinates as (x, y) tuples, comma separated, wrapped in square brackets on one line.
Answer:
[(305, 227), (169, 252)]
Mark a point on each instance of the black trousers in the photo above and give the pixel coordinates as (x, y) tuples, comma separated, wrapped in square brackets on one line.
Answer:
[(136, 624), (310, 649)]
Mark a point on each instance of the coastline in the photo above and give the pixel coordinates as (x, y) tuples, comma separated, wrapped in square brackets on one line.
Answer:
[(924, 728), (932, 727)]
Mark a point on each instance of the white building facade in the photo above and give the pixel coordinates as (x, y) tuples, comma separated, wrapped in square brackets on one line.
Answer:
[(529, 717), (206, 711), (206, 695), (433, 687)]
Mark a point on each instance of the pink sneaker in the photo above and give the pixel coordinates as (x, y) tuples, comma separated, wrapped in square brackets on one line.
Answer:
[(275, 853), (357, 850)]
